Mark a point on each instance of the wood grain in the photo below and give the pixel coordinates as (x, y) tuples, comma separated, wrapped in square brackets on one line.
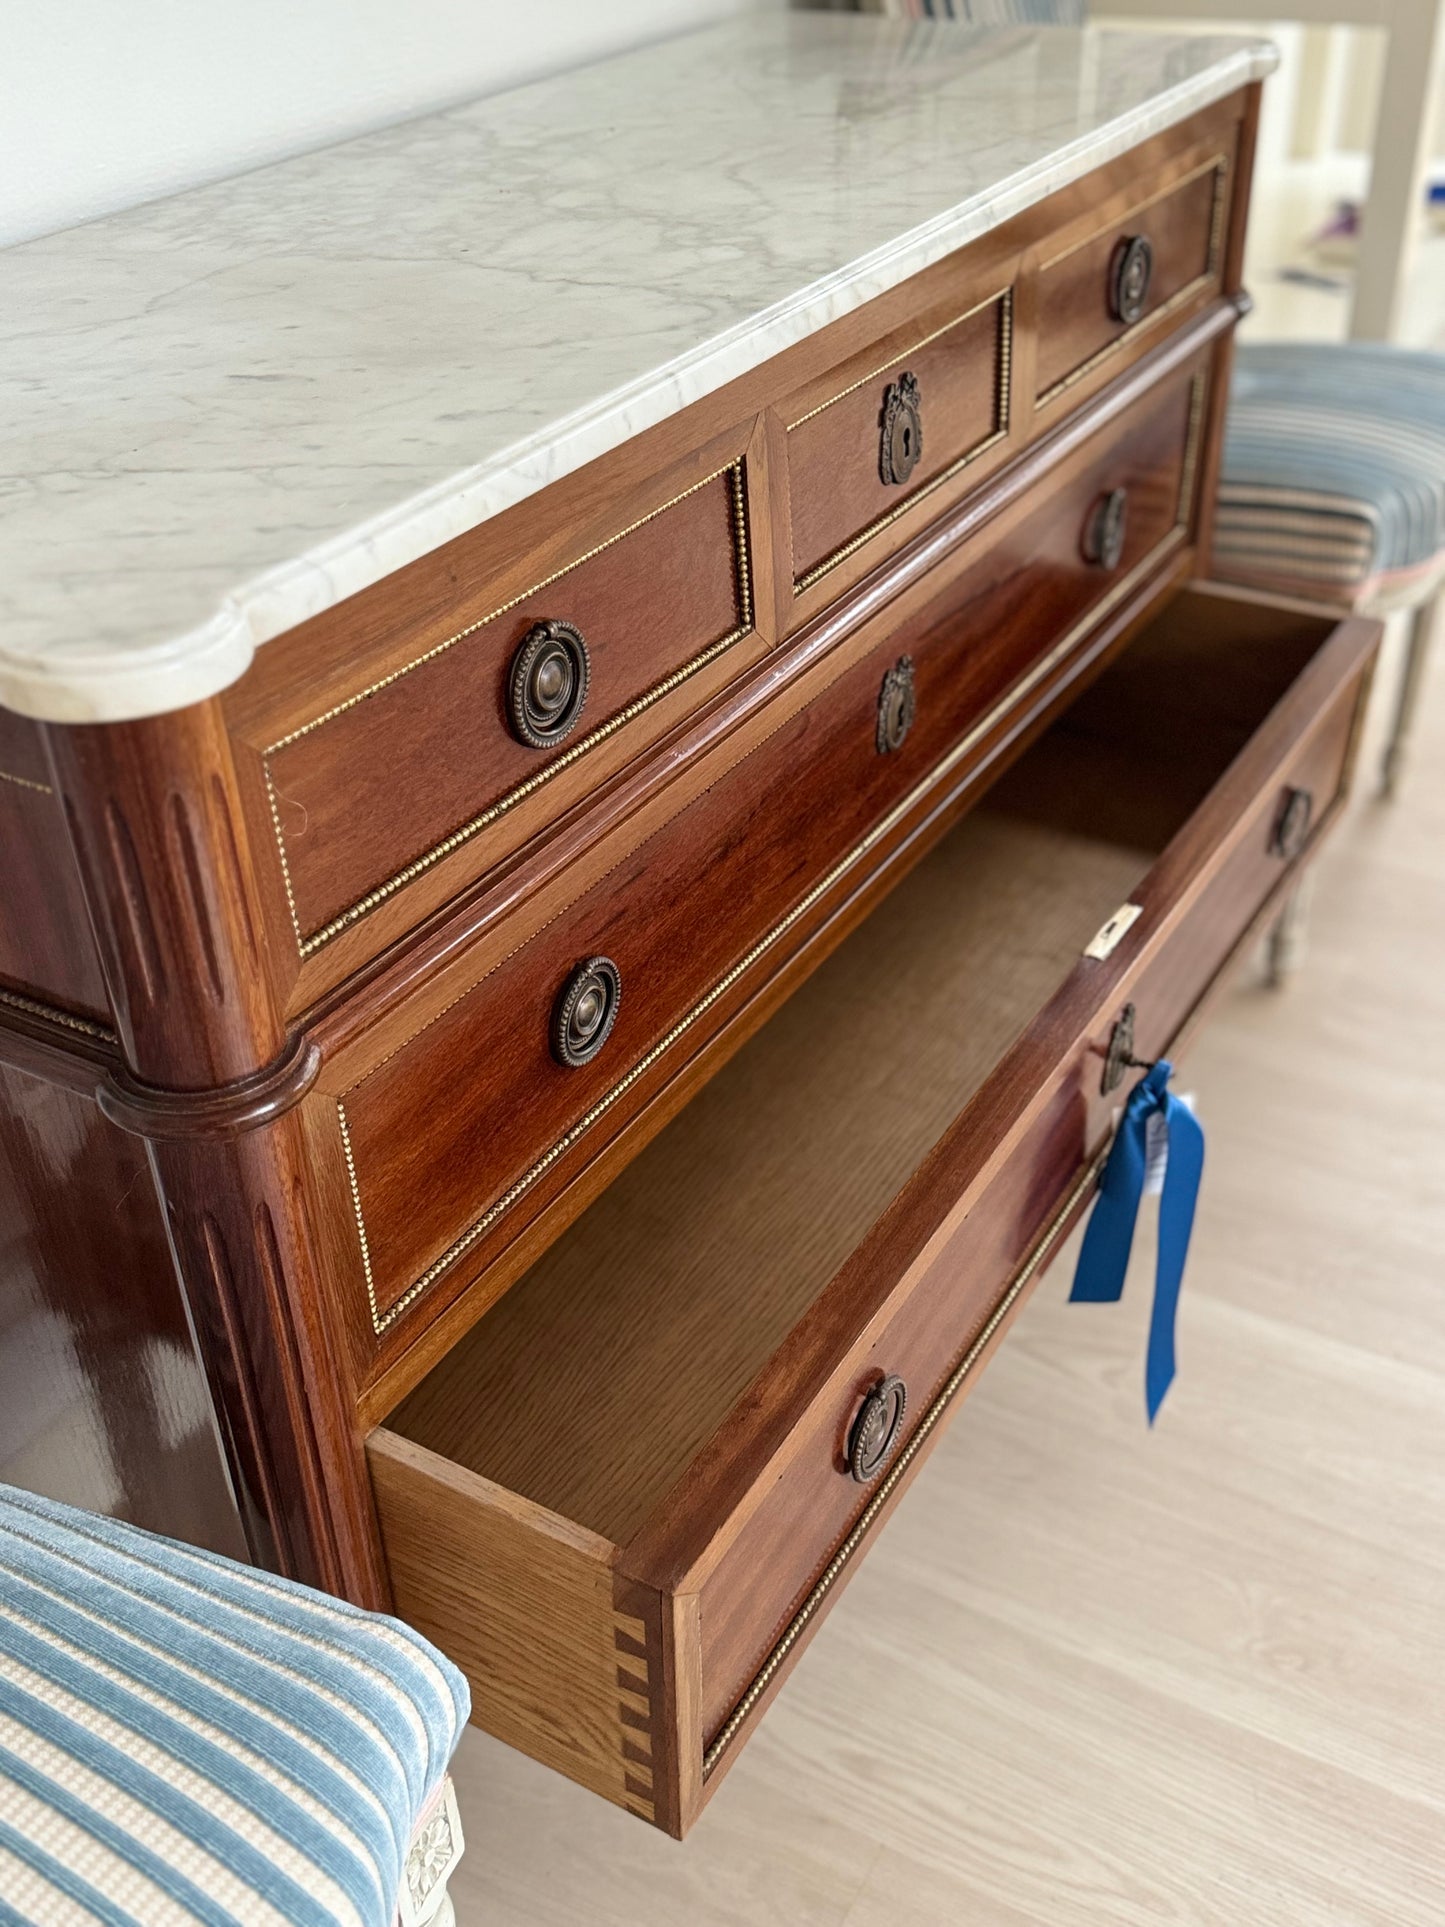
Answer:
[(435, 1184), (47, 951), (103, 1400), (371, 637), (629, 1343), (430, 758), (680, 1370), (522, 1601), (961, 365), (1117, 1676), (1185, 226)]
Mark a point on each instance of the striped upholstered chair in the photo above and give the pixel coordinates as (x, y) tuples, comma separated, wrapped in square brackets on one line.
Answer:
[(185, 1740), (1333, 486)]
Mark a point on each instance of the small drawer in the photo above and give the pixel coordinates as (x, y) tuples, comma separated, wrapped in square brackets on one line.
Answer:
[(488, 712), (878, 435), (626, 1498), (1101, 292), (695, 917)]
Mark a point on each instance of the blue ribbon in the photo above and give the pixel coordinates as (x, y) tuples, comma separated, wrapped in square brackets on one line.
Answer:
[(1105, 1255)]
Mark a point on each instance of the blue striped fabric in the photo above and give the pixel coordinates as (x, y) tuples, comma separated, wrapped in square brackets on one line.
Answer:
[(184, 1739), (1333, 478)]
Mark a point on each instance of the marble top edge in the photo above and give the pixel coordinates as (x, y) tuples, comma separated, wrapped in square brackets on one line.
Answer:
[(129, 588)]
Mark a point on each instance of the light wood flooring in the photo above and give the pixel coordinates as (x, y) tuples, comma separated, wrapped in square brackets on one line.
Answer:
[(1094, 1674)]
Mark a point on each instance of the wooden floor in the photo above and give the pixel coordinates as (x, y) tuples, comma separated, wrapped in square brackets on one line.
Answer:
[(1093, 1674)]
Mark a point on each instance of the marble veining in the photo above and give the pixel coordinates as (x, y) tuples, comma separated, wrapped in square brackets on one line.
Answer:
[(228, 410)]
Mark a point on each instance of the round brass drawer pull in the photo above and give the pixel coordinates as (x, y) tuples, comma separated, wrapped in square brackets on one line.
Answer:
[(901, 443), (1105, 529), (897, 706), (1130, 274), (547, 685), (1292, 825), (877, 1428), (585, 1011)]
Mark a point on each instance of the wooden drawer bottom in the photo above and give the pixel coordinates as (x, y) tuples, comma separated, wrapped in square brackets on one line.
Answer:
[(625, 1498)]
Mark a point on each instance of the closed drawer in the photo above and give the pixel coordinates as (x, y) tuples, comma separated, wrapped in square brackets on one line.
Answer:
[(1110, 287), (495, 698), (467, 1128), (881, 433), (623, 1502)]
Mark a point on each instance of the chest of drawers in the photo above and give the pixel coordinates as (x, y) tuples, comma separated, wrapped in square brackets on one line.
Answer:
[(614, 1007)]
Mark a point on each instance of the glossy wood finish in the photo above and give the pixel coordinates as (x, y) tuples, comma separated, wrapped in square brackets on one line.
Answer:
[(705, 1440), (654, 605), (326, 665), (722, 840), (47, 952), (103, 1400), (157, 838), (156, 830), (728, 887), (1183, 226), (836, 493)]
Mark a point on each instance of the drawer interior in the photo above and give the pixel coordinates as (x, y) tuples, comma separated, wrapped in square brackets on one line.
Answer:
[(626, 1345)]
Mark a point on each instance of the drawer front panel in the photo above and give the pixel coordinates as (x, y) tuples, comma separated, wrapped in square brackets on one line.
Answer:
[(369, 795), (47, 951), (1095, 296), (885, 436), (471, 1126), (778, 1565)]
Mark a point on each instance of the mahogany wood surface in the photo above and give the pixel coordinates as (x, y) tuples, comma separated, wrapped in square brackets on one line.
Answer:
[(356, 646), (103, 1400), (214, 991), (1184, 226), (685, 909), (626, 1346), (372, 788), (967, 1274), (609, 1399), (47, 951), (835, 486), (160, 847)]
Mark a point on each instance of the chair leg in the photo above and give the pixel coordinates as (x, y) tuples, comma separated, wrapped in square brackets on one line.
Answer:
[(1289, 939), (1408, 695)]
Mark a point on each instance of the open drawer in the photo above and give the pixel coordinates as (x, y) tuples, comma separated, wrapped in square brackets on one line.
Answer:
[(623, 1501)]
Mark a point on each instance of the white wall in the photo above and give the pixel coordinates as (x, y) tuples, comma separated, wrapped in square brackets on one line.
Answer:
[(104, 103)]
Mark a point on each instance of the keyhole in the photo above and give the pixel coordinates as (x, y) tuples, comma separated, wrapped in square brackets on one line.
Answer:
[(907, 441)]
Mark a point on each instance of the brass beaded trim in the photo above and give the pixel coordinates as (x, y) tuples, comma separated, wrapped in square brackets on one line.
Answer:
[(893, 361), (31, 1007), (1003, 381), (308, 943), (929, 1423), (26, 783), (1095, 614), (1176, 301)]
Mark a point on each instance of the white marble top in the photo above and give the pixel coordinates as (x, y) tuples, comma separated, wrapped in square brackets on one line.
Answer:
[(225, 411)]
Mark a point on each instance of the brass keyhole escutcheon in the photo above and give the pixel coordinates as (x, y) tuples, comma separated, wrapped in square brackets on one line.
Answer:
[(876, 1430), (1133, 269), (547, 684), (1120, 1055), (901, 442), (585, 1011), (897, 705), (1106, 528)]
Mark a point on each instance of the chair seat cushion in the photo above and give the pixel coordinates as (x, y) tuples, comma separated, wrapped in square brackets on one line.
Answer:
[(1333, 475), (183, 1738)]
